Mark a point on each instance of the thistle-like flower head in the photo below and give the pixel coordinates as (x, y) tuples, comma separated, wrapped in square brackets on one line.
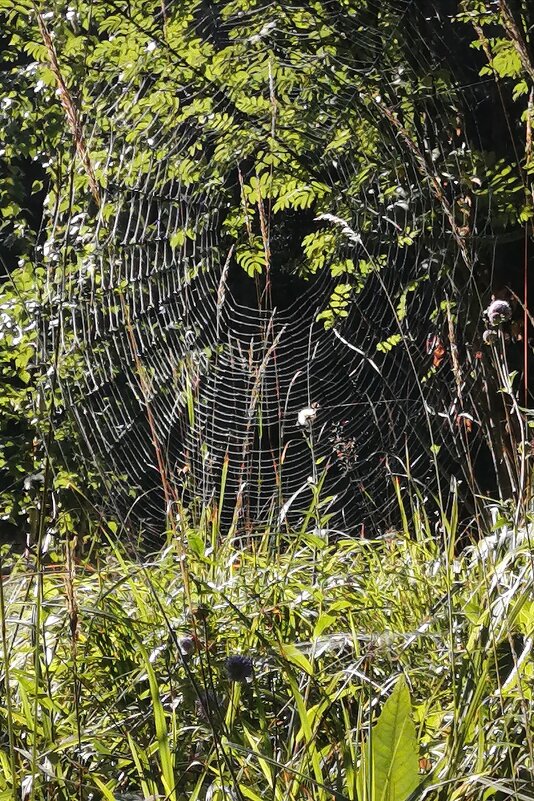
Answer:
[(239, 668)]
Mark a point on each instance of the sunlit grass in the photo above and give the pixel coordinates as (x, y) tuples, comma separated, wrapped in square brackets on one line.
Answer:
[(105, 699)]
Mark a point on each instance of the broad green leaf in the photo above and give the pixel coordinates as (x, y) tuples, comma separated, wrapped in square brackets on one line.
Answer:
[(324, 621), (290, 652), (391, 753)]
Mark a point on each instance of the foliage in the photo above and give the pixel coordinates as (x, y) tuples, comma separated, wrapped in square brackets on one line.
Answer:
[(265, 135), (245, 105), (105, 700)]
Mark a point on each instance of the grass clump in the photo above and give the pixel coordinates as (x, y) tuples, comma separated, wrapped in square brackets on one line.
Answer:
[(361, 670)]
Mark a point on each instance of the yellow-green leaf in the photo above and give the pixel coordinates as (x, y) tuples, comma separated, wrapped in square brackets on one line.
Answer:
[(391, 753)]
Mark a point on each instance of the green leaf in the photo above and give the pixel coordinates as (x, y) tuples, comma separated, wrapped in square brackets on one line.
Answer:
[(290, 652), (324, 621), (177, 239), (160, 723), (389, 343), (252, 259), (520, 89), (392, 755), (249, 793)]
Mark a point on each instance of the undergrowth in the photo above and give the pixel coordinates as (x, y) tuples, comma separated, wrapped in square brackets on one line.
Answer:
[(116, 682)]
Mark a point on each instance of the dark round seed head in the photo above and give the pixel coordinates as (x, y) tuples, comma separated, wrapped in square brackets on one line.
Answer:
[(490, 337), (187, 645), (239, 668)]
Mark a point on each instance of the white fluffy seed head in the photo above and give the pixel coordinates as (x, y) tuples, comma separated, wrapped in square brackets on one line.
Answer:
[(306, 416), (499, 311)]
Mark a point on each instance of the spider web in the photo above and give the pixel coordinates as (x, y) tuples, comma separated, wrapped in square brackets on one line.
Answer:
[(183, 375)]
